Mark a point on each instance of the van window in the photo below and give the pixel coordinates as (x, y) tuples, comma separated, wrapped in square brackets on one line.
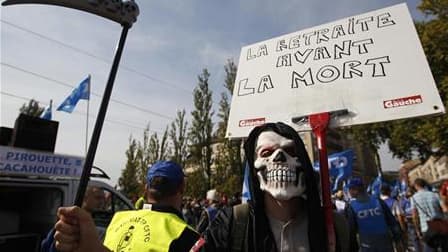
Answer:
[(19, 214), (112, 204)]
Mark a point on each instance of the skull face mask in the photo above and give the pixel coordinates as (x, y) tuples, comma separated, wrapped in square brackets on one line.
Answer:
[(278, 169)]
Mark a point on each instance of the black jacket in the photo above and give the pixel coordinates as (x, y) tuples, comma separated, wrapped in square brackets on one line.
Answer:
[(261, 238), (219, 235)]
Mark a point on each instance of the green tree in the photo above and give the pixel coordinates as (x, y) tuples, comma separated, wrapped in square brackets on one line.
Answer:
[(200, 133), (128, 181), (224, 104), (150, 150), (228, 161), (32, 108), (195, 184), (370, 136), (143, 156), (179, 140), (164, 150)]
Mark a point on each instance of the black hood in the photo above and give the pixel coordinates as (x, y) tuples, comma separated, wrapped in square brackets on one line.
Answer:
[(316, 228)]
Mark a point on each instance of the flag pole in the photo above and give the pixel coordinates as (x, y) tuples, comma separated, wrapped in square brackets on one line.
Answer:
[(87, 119), (51, 108)]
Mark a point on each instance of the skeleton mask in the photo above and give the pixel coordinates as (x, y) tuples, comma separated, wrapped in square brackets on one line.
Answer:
[(277, 166)]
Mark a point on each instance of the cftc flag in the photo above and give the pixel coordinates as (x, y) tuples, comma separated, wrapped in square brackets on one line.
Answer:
[(246, 191), (46, 114), (80, 92)]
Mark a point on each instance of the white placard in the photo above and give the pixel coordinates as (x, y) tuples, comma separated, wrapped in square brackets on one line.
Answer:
[(16, 161), (370, 65)]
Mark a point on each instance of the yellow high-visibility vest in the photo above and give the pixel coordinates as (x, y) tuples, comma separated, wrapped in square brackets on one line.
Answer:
[(143, 230)]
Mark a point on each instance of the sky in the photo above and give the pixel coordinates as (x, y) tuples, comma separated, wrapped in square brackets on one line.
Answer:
[(47, 50)]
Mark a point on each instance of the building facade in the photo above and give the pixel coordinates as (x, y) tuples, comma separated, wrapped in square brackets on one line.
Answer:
[(434, 170)]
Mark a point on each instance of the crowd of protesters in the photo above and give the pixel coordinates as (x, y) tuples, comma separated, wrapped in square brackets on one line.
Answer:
[(198, 212), (402, 218), (284, 212), (390, 221), (403, 224)]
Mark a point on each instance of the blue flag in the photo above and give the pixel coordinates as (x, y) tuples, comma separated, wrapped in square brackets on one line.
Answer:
[(375, 186), (340, 166), (246, 192), (395, 189), (80, 92), (46, 114), (403, 187)]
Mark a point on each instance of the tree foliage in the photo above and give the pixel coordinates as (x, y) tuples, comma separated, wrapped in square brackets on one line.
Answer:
[(128, 180), (200, 133), (150, 150), (224, 104), (32, 108), (179, 140), (195, 186), (228, 163)]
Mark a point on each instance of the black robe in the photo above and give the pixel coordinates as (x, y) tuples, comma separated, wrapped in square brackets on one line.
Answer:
[(260, 238)]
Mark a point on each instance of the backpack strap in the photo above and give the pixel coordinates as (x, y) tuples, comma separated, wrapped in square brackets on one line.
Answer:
[(239, 226), (392, 223)]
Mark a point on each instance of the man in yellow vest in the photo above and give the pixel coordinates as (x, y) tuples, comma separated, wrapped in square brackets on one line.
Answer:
[(157, 227)]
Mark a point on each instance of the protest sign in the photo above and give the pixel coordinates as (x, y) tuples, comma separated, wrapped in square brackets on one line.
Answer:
[(371, 65)]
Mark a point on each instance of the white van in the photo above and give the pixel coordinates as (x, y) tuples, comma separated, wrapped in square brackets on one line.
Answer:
[(32, 187)]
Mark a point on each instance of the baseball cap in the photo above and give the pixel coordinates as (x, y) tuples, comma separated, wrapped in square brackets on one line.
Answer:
[(168, 169), (355, 182)]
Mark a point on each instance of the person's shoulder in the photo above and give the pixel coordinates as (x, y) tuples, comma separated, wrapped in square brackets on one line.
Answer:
[(418, 195), (218, 233), (121, 214), (187, 239), (225, 212), (428, 194)]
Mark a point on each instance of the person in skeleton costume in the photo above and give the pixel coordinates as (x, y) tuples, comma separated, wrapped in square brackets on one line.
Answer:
[(285, 212)]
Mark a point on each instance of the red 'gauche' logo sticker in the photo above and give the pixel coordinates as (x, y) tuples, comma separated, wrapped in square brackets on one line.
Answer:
[(405, 101), (252, 122)]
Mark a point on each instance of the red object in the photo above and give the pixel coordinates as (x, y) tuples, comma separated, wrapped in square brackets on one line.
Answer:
[(198, 245), (224, 200), (319, 124), (444, 188)]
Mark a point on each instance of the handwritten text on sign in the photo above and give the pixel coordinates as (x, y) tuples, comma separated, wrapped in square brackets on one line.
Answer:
[(363, 64), (293, 54)]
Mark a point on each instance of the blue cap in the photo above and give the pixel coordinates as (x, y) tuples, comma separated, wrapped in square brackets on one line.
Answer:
[(168, 169), (355, 182)]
